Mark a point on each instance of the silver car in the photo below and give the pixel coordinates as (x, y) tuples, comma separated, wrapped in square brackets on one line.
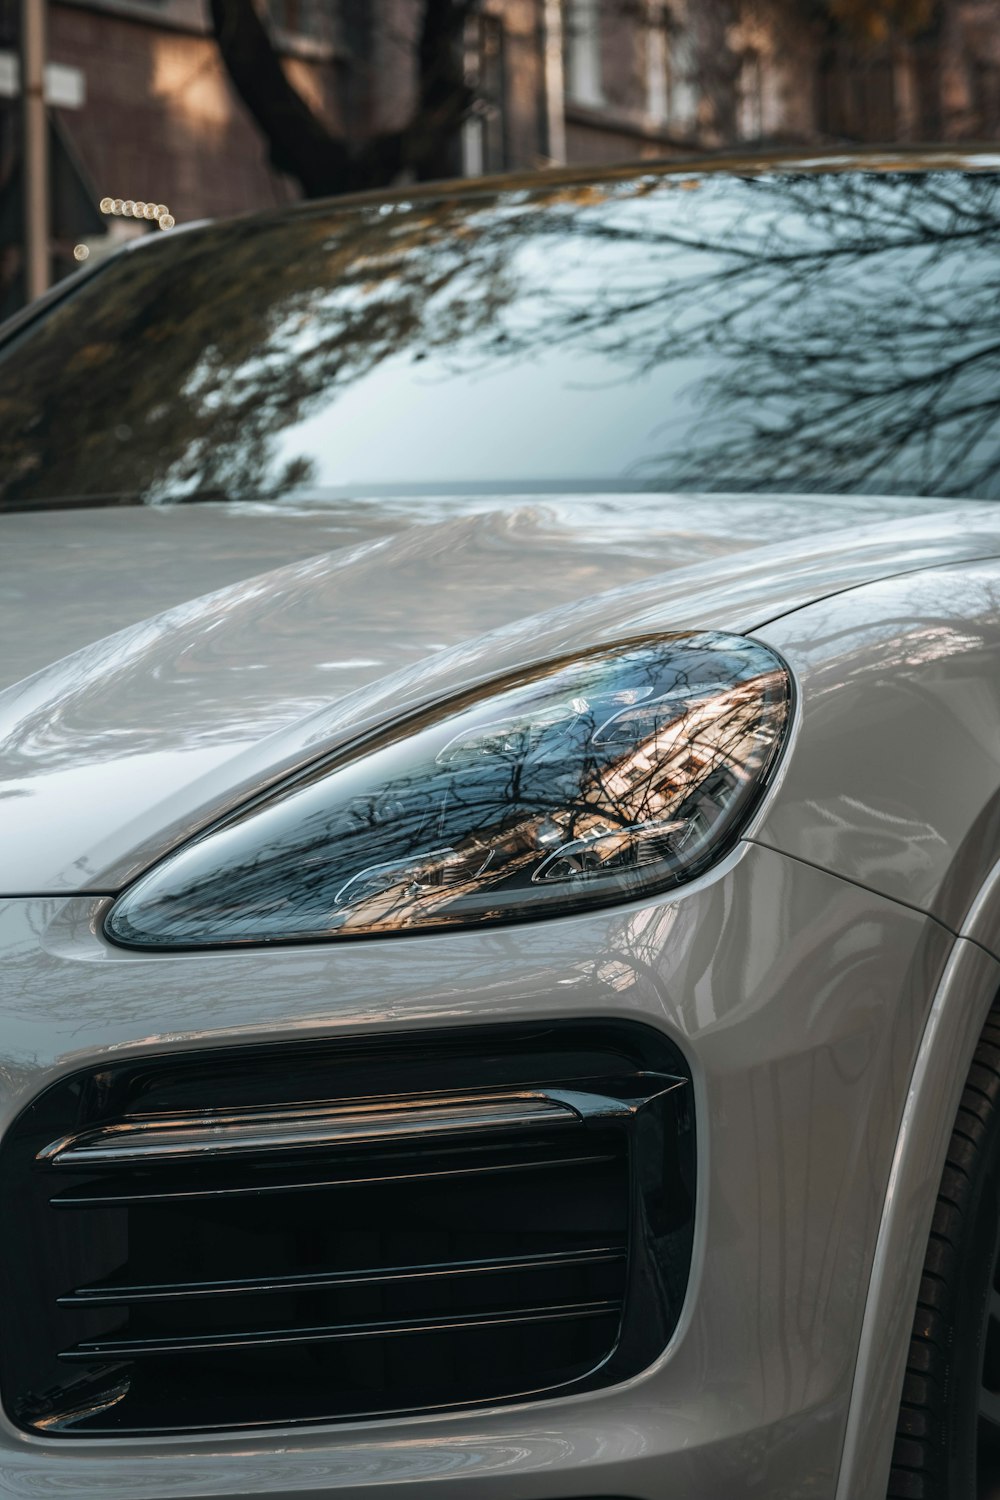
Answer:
[(500, 846)]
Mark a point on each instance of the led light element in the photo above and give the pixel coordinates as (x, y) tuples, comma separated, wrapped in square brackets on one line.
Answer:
[(574, 784)]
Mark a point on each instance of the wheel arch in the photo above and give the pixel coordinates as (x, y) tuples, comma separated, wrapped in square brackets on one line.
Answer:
[(966, 991)]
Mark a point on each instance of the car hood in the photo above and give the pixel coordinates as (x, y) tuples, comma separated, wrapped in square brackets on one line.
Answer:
[(160, 665)]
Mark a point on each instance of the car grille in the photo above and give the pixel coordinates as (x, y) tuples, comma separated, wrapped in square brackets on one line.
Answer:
[(314, 1233)]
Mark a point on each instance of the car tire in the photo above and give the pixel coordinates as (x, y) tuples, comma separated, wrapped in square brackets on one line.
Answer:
[(948, 1434)]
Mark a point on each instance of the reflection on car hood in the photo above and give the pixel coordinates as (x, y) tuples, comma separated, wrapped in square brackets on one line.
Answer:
[(159, 664)]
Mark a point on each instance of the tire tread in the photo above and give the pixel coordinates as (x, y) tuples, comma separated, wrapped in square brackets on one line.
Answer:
[(919, 1460)]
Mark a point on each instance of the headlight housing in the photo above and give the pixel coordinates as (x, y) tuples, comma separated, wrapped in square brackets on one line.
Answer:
[(574, 784)]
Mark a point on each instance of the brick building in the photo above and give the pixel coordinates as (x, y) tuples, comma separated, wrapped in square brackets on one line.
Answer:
[(143, 107)]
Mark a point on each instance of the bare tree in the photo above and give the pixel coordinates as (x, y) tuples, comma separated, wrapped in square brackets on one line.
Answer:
[(305, 147)]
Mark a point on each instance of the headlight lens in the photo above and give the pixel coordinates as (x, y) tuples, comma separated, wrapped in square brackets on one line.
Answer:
[(576, 784)]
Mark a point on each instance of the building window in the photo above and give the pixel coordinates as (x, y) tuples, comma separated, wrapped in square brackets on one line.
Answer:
[(985, 91), (858, 97), (658, 77), (583, 52), (750, 97), (484, 135), (308, 18)]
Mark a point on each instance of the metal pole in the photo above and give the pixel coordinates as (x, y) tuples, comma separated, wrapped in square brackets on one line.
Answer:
[(555, 86), (36, 150)]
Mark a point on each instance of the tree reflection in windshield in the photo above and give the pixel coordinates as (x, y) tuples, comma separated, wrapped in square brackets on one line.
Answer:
[(797, 332)]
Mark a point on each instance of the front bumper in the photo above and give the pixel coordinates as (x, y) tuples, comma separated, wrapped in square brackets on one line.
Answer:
[(798, 999)]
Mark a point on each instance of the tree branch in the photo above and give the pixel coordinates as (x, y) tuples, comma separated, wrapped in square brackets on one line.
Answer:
[(299, 141), (302, 145)]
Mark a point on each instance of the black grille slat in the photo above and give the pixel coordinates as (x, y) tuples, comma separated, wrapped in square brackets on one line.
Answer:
[(118, 1349), (547, 1260), (100, 1198), (331, 1260)]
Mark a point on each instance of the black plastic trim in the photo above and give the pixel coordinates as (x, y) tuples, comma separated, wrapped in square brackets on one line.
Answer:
[(201, 1296)]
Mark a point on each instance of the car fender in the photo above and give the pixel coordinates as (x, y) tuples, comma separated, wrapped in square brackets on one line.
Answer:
[(893, 780)]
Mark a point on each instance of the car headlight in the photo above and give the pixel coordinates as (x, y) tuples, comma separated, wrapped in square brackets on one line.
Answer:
[(574, 784)]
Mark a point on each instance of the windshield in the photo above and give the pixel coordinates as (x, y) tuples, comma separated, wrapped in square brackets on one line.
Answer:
[(827, 333)]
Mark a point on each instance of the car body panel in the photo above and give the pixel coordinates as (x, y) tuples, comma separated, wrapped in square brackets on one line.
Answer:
[(90, 573), (471, 562), (895, 781), (124, 748), (797, 1061)]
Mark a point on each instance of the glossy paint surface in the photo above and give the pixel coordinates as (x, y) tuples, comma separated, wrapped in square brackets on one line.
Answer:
[(895, 780), (799, 1000), (467, 563), (117, 752)]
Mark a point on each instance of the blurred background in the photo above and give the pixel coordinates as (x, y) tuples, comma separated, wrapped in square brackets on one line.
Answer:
[(128, 117)]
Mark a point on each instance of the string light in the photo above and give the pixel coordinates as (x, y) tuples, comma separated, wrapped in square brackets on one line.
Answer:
[(138, 208)]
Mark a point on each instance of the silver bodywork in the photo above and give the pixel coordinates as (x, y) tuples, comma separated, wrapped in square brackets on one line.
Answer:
[(827, 980)]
